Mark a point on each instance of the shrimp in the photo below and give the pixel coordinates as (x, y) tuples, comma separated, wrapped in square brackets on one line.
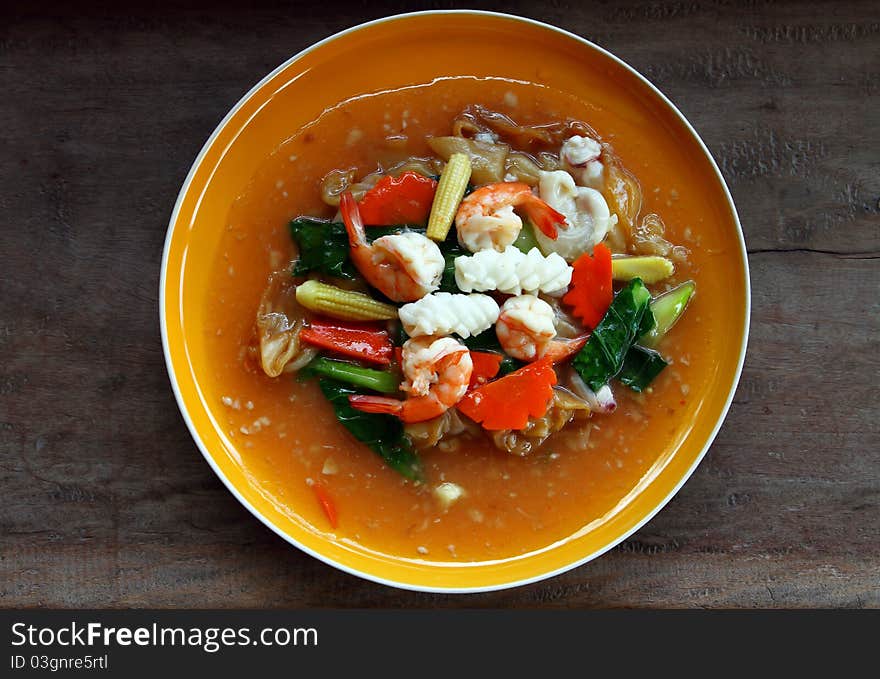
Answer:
[(437, 371), (526, 331), (404, 266), (486, 218)]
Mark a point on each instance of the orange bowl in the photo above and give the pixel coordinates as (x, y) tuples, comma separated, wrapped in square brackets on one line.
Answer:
[(457, 43)]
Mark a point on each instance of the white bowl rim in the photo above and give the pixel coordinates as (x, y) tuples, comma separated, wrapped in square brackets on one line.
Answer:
[(369, 576)]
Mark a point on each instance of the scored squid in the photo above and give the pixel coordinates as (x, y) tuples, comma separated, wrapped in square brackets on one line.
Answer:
[(581, 157), (513, 272), (445, 313)]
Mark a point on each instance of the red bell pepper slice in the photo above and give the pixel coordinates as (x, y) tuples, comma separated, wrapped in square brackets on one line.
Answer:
[(507, 403), (591, 293), (405, 199), (358, 340), (326, 503)]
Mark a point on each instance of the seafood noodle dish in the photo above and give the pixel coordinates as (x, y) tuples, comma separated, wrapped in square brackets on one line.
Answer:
[(455, 323)]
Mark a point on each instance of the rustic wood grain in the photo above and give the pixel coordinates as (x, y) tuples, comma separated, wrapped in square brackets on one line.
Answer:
[(107, 502)]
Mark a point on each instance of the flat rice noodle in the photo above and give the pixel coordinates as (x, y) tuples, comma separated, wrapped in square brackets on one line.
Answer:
[(532, 138), (624, 197), (648, 238), (431, 433), (522, 167), (334, 184), (487, 159), (279, 321)]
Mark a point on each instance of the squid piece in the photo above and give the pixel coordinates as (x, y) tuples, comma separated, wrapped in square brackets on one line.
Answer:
[(444, 313), (513, 272), (581, 158), (586, 214)]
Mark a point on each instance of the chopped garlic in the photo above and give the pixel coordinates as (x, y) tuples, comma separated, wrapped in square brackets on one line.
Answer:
[(229, 402), (448, 493)]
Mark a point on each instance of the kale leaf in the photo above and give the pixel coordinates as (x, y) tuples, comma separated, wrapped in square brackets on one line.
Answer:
[(382, 433), (640, 367), (323, 247), (603, 355)]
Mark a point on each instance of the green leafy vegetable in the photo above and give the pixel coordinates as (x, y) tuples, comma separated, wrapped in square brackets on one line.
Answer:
[(485, 341), (382, 433), (398, 335), (323, 247), (648, 322), (377, 380), (509, 365), (603, 355), (640, 367), (667, 309), (526, 239), (488, 341), (450, 250)]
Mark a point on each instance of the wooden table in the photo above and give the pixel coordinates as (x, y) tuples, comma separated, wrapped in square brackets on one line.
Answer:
[(108, 503)]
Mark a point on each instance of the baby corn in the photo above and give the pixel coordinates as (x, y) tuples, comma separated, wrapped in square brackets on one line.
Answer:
[(342, 304), (650, 269), (450, 191)]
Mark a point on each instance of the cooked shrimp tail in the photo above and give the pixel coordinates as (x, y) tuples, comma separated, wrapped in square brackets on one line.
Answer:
[(486, 217), (412, 410), (376, 404), (560, 349), (526, 331), (354, 225), (548, 220)]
